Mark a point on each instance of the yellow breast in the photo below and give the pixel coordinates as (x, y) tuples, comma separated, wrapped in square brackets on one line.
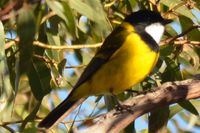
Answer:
[(129, 65), (136, 61)]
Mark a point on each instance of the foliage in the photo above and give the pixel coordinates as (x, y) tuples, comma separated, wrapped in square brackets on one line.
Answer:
[(45, 45)]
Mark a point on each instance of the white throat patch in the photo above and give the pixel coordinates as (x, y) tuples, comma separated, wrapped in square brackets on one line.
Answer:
[(155, 30)]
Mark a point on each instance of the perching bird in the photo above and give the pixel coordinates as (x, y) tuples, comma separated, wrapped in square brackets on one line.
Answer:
[(126, 57)]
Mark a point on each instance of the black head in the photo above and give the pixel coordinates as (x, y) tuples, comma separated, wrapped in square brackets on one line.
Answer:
[(146, 17)]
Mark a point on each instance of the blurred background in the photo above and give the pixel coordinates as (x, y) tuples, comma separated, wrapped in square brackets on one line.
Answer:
[(46, 44)]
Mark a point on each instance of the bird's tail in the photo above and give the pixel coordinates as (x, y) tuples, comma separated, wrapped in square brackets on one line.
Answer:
[(61, 111)]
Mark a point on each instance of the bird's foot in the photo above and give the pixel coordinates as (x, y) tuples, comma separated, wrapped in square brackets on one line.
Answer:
[(121, 108)]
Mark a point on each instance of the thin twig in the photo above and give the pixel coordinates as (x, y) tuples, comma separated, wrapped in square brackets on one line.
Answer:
[(184, 32), (66, 47), (78, 66), (46, 17), (181, 42), (95, 45), (11, 122), (62, 47), (8, 128), (44, 58), (171, 40)]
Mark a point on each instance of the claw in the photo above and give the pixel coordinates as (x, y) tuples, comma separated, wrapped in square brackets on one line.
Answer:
[(123, 108)]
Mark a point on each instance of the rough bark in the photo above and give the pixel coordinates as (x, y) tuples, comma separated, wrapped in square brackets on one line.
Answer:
[(164, 95)]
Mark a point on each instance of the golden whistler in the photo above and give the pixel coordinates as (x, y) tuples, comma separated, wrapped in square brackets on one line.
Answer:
[(126, 57)]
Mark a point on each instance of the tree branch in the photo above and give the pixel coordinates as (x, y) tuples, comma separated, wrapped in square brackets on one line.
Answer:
[(54, 47), (181, 42), (65, 47), (166, 94), (79, 46)]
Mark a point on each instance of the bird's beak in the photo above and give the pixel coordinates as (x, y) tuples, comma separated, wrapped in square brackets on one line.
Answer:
[(167, 21)]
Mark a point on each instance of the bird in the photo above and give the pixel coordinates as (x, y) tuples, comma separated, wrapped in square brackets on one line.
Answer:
[(127, 57)]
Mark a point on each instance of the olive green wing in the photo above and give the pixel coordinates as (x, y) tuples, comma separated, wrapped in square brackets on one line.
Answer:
[(113, 42)]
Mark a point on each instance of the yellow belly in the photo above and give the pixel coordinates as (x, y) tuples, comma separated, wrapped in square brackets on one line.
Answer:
[(128, 66)]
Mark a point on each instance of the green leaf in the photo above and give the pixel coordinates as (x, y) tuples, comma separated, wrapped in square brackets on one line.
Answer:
[(187, 105), (166, 50), (133, 3), (182, 9), (198, 4), (31, 116), (190, 59), (196, 103), (143, 131), (53, 54), (170, 30), (26, 27), (32, 129), (62, 9), (177, 108), (61, 66), (174, 110), (172, 71), (158, 120), (84, 9), (187, 23), (110, 102), (39, 79), (6, 91), (130, 128), (87, 9)]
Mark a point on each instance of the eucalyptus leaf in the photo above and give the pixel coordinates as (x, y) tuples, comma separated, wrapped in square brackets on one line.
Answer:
[(26, 28), (174, 110), (177, 108), (53, 40), (187, 23), (182, 9), (6, 91), (187, 105), (158, 120), (39, 79), (87, 9), (62, 9), (166, 50), (192, 58), (31, 116), (61, 66), (172, 71)]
